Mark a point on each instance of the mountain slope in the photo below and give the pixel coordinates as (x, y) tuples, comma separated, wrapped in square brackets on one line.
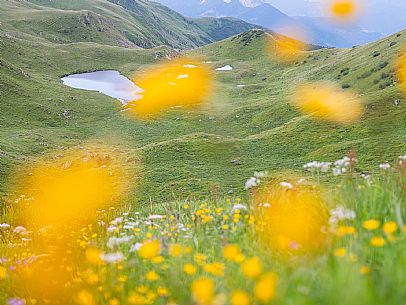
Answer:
[(247, 128), (127, 23)]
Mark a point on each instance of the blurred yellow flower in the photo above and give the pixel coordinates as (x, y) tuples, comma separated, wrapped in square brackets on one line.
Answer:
[(3, 273), (340, 252), (288, 47), (401, 71), (162, 292), (265, 287), (231, 252), (390, 227), (364, 270), (325, 101), (239, 297), (93, 256), (151, 276), (296, 222), (84, 297), (252, 267), (203, 291), (176, 83), (189, 269), (175, 250), (149, 249), (215, 268), (371, 224), (377, 241), (343, 8), (345, 230)]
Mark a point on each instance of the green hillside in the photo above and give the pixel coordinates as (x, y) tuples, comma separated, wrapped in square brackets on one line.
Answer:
[(246, 129), (128, 23)]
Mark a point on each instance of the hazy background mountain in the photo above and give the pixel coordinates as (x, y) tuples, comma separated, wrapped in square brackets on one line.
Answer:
[(379, 18)]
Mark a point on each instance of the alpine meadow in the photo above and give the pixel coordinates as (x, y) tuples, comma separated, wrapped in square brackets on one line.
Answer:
[(148, 157)]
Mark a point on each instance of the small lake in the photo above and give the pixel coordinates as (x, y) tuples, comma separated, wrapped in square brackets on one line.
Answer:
[(110, 83)]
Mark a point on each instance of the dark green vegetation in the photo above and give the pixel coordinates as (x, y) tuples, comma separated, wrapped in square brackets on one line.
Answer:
[(244, 129)]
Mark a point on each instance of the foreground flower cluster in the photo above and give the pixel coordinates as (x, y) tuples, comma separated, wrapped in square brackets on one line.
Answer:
[(220, 251)]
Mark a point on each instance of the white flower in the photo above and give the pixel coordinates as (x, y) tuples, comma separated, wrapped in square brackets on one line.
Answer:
[(259, 175), (384, 166), (251, 182), (286, 185), (4, 226), (239, 206), (117, 221), (403, 158), (20, 230), (341, 213), (116, 241), (317, 165), (112, 258), (135, 247), (154, 217)]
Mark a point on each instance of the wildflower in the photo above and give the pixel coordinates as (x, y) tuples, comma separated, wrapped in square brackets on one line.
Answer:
[(340, 252), (390, 227), (341, 213), (3, 273), (136, 247), (156, 217), (252, 267), (371, 224), (175, 250), (203, 291), (231, 251), (85, 298), (152, 276), (158, 259), (16, 301), (4, 226), (149, 249), (384, 166), (316, 165), (345, 230), (216, 269), (251, 183), (286, 185), (265, 287), (364, 270), (377, 241), (326, 101), (162, 292), (116, 241), (239, 297), (189, 269), (112, 257)]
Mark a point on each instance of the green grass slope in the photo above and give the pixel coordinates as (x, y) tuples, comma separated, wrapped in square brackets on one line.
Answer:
[(246, 129), (120, 23)]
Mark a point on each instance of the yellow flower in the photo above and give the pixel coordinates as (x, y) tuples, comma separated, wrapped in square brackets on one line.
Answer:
[(114, 302), (230, 252), (93, 256), (340, 252), (327, 102), (200, 258), (364, 270), (152, 276), (377, 242), (390, 227), (189, 269), (203, 291), (85, 298), (252, 267), (265, 288), (239, 297), (216, 269), (371, 224), (162, 292), (158, 259), (3, 273), (344, 230), (175, 250), (343, 8), (149, 249)]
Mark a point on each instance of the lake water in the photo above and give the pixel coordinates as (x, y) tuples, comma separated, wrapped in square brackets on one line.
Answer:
[(110, 83)]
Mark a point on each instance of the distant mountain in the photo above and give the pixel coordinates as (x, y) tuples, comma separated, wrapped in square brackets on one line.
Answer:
[(321, 30)]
